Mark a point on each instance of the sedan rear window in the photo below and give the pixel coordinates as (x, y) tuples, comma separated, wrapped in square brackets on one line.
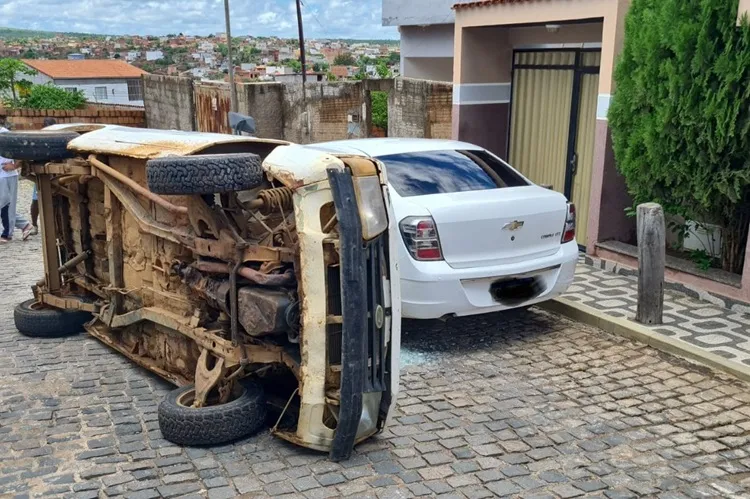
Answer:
[(438, 172)]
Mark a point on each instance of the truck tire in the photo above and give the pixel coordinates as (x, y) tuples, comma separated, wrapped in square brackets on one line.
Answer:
[(47, 322), (218, 424), (206, 174), (40, 146)]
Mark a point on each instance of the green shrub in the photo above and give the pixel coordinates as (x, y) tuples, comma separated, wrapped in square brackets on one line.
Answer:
[(680, 117), (379, 109), (51, 97)]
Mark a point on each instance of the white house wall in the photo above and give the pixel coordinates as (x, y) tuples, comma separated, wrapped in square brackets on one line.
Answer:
[(36, 79), (117, 90)]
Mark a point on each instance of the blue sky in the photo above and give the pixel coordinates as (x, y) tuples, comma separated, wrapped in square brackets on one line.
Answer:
[(322, 18)]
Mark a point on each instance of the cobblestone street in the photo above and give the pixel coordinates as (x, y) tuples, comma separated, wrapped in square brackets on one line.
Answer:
[(528, 405)]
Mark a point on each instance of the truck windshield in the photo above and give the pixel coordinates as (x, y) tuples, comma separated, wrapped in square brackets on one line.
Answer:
[(439, 172)]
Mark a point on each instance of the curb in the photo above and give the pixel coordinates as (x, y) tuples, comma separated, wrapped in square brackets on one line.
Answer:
[(634, 331)]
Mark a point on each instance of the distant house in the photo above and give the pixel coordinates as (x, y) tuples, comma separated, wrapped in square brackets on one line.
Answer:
[(76, 57), (154, 55), (103, 81), (199, 72), (279, 70), (297, 77), (132, 55), (340, 72)]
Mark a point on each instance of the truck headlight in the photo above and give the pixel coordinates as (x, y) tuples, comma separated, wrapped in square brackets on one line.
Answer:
[(371, 206)]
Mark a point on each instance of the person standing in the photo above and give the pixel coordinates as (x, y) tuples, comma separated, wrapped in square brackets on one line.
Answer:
[(9, 199), (34, 209), (34, 212)]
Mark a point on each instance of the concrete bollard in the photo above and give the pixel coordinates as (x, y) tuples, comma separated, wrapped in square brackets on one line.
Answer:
[(651, 261)]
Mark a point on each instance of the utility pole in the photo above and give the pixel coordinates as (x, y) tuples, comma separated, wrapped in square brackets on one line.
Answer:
[(230, 63), (301, 42)]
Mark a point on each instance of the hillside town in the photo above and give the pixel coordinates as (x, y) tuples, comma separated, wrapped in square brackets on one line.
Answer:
[(205, 58)]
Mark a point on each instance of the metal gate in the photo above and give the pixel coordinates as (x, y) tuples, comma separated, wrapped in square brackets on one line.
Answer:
[(553, 121), (212, 107)]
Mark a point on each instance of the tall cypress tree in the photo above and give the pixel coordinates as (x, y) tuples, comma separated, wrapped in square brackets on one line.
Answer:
[(680, 114)]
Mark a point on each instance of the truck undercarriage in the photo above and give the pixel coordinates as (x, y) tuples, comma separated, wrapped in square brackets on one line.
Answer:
[(223, 274)]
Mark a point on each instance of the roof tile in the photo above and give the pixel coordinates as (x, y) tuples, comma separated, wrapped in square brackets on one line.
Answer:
[(483, 3), (87, 68)]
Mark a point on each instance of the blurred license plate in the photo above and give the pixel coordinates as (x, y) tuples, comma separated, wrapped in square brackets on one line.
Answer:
[(516, 290)]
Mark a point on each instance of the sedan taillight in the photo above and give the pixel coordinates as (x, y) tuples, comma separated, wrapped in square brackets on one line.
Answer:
[(569, 231), (421, 238)]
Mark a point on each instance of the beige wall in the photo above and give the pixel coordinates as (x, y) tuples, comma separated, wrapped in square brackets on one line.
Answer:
[(481, 30), (428, 68), (613, 35), (568, 33), (486, 55), (744, 9)]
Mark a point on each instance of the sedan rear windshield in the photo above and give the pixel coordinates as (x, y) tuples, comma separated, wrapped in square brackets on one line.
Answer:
[(438, 172)]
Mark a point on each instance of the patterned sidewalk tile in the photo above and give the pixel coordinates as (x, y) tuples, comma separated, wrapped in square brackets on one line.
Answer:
[(716, 329)]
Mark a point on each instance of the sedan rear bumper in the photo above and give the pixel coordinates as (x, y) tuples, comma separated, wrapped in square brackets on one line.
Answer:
[(435, 290)]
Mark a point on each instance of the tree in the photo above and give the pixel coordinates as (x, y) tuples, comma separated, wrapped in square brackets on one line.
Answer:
[(320, 67), (295, 65), (9, 71), (383, 70), (361, 74), (222, 49), (51, 97), (679, 117), (394, 58), (379, 109), (345, 59)]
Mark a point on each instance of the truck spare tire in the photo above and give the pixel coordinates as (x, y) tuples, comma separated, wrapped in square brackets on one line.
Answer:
[(204, 174), (183, 424), (40, 146)]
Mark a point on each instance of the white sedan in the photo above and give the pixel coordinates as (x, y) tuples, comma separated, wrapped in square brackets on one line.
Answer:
[(477, 236)]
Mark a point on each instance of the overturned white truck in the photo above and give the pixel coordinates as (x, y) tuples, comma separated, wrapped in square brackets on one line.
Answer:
[(251, 273)]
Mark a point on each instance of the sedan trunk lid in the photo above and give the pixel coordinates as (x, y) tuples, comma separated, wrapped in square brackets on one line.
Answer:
[(496, 226)]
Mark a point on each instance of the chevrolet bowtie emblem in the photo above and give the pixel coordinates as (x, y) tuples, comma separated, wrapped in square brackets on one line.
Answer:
[(514, 225)]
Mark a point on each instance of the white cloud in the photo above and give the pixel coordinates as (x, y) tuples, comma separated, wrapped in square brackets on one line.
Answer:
[(267, 17), (322, 18)]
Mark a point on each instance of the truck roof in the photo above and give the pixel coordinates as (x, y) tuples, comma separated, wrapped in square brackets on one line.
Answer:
[(149, 143)]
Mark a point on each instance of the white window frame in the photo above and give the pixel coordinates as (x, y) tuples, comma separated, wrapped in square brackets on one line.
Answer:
[(97, 95)]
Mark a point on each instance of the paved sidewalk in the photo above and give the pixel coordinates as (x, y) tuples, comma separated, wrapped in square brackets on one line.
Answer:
[(700, 323)]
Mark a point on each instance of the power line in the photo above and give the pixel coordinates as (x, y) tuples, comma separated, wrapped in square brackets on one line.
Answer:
[(317, 20)]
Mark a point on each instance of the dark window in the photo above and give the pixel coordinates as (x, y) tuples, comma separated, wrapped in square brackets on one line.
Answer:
[(437, 172), (135, 91)]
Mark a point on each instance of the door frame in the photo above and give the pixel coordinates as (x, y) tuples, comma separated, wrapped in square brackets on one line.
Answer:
[(578, 70)]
